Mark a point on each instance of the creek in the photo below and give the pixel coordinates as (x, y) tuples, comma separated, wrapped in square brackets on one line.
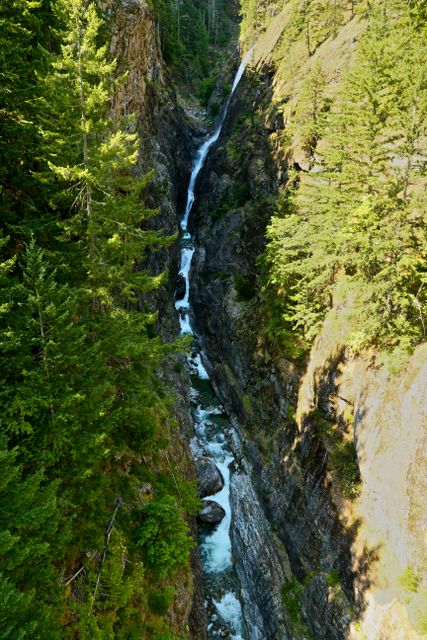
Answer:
[(212, 435)]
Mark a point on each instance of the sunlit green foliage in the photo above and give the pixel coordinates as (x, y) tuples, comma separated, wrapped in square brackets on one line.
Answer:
[(359, 219), (82, 402), (164, 537)]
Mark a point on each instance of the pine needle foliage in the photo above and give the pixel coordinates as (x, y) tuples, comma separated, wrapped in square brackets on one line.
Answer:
[(358, 220), (85, 416)]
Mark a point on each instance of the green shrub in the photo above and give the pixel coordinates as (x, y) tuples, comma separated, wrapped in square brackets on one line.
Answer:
[(164, 537), (344, 464), (410, 580), (160, 599), (206, 88), (333, 578)]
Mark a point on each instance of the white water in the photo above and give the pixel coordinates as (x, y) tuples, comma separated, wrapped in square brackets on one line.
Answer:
[(209, 438), (206, 146)]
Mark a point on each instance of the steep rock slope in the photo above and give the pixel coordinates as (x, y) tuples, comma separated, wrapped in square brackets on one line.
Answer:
[(336, 446), (167, 136)]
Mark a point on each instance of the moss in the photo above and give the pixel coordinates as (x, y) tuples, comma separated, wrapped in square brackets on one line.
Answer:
[(291, 598), (247, 404), (230, 375), (410, 580), (333, 579), (221, 275), (234, 198), (292, 592)]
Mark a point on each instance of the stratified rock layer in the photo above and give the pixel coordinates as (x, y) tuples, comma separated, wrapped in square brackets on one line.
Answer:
[(347, 555), (259, 564)]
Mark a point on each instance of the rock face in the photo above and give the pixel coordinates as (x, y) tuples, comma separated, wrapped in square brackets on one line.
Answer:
[(211, 512), (168, 137), (209, 477), (347, 555), (166, 149), (180, 288), (260, 566)]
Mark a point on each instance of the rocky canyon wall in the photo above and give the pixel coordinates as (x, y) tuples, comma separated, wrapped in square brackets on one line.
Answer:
[(167, 139), (335, 446)]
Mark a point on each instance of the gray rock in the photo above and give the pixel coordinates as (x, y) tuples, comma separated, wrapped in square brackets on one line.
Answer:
[(209, 477), (211, 513), (259, 564), (180, 287)]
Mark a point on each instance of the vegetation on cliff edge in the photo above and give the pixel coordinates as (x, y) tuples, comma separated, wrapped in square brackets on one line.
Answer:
[(86, 483)]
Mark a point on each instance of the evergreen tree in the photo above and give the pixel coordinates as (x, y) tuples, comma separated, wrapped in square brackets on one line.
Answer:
[(24, 25), (361, 216), (310, 114), (30, 600)]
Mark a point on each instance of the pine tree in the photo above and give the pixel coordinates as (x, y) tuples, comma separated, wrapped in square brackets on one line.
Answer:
[(30, 600), (361, 216), (310, 120), (94, 160), (81, 395), (25, 27)]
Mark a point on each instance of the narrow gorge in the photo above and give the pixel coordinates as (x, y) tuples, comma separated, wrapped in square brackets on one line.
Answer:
[(213, 371)]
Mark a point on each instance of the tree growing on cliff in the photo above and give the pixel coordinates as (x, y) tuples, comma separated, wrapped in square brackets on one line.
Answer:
[(310, 114), (360, 219), (80, 354)]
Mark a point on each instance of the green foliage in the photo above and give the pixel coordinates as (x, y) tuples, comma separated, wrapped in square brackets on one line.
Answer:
[(232, 199), (358, 221), (313, 21), (184, 36), (206, 88), (310, 116), (160, 599), (29, 542), (164, 537), (291, 597), (333, 579), (82, 401), (292, 592), (346, 469), (26, 26), (410, 580), (343, 460)]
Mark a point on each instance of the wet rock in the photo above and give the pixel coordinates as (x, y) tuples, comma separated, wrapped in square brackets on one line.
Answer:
[(211, 513), (216, 411), (209, 477), (180, 287)]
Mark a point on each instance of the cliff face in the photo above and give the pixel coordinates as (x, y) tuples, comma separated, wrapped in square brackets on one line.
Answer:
[(166, 133), (166, 147), (336, 447)]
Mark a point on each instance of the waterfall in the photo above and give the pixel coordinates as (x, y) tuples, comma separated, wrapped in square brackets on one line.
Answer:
[(206, 146), (211, 430)]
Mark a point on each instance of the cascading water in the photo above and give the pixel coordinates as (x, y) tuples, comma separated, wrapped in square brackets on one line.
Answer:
[(211, 431)]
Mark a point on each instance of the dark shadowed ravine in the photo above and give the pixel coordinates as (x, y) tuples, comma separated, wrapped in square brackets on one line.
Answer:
[(211, 439)]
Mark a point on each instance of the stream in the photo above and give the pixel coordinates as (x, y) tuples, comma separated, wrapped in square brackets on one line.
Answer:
[(212, 433)]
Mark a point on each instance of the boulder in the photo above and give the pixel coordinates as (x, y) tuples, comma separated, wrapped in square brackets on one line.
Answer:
[(180, 287), (209, 477), (211, 512)]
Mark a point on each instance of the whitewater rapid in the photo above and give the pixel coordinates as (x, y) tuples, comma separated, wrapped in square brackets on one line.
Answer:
[(211, 432)]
